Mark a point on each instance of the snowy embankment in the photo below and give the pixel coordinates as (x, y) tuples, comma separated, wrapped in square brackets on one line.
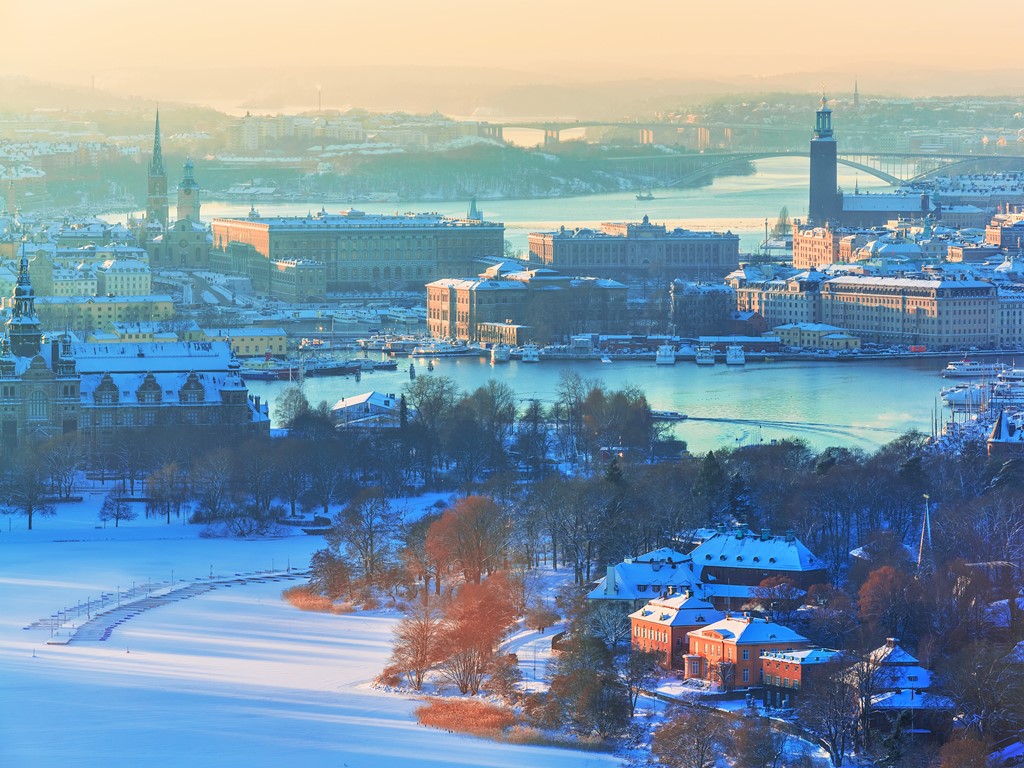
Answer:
[(230, 677)]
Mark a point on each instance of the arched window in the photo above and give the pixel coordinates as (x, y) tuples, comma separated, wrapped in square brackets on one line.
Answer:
[(38, 406)]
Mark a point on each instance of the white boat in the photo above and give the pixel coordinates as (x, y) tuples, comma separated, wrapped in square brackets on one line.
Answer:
[(734, 355), (966, 369), (965, 396), (443, 349), (666, 355), (501, 353), (705, 355), (605, 359), (530, 354)]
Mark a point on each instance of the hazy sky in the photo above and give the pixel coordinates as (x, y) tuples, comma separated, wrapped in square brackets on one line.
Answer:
[(72, 40)]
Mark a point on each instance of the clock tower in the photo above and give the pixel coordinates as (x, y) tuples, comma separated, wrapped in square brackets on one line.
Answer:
[(188, 195)]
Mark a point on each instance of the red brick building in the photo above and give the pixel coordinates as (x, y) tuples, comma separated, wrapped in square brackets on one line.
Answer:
[(728, 652), (785, 673), (662, 625)]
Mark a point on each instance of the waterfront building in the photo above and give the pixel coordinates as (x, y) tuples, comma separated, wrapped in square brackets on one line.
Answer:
[(368, 251), (819, 336), (553, 306), (369, 410), (815, 247), (246, 342), (940, 314), (699, 309), (778, 296), (638, 249), (823, 205), (664, 622)]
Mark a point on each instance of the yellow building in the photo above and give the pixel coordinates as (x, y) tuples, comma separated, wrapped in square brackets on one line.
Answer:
[(87, 313), (815, 336), (248, 342)]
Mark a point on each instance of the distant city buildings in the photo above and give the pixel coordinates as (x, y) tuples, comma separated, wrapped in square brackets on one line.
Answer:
[(516, 305), (362, 251), (637, 249)]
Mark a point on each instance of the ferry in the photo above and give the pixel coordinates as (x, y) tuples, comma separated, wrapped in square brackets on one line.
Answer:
[(734, 355), (501, 353), (966, 369), (645, 195), (443, 349), (705, 355), (530, 354), (666, 355)]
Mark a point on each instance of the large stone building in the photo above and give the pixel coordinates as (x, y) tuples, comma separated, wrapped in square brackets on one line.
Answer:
[(639, 249), (368, 251), (540, 305), (823, 201), (941, 313), (185, 243), (97, 391), (698, 309)]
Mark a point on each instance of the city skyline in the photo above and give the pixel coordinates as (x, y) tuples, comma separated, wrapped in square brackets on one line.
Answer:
[(206, 49)]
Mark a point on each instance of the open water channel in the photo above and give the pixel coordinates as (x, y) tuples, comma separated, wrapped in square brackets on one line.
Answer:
[(864, 403)]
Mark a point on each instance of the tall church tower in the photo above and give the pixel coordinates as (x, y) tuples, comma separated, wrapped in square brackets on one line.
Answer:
[(188, 195), (824, 200), (156, 197), (23, 324)]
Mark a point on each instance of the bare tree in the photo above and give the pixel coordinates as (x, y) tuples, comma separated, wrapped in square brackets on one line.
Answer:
[(693, 737), (117, 509), (831, 709), (638, 671), (26, 488), (366, 529), (418, 644)]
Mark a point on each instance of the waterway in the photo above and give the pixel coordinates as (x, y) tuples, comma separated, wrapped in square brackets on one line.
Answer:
[(862, 404), (739, 204)]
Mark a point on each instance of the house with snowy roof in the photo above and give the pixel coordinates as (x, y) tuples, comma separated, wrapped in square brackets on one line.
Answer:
[(634, 581), (732, 564), (900, 686), (785, 673), (664, 622), (727, 654), (368, 410)]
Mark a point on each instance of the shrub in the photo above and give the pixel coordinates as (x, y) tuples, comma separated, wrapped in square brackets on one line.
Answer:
[(305, 598), (466, 716)]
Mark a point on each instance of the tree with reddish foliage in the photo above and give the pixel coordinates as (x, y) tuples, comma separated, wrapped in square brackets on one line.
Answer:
[(963, 753), (470, 537), (891, 603), (474, 622), (778, 597)]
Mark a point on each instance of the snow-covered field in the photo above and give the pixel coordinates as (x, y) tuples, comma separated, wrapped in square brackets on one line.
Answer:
[(231, 677)]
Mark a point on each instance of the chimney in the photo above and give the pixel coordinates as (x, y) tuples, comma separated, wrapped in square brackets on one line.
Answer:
[(765, 534), (54, 353), (790, 535), (721, 527), (609, 581), (890, 642)]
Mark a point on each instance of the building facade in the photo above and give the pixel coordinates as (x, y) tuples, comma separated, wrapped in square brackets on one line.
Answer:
[(639, 249), (554, 307), (363, 251), (728, 653)]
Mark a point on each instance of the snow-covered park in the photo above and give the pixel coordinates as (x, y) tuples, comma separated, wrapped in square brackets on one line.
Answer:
[(233, 676)]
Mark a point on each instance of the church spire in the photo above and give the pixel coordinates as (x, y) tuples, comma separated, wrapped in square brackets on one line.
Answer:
[(156, 198), (23, 324), (156, 165)]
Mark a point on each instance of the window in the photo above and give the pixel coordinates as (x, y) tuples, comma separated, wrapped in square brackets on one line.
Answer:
[(38, 406), (746, 675), (746, 654)]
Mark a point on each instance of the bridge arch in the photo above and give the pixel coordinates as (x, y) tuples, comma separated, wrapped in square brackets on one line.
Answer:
[(942, 170), (700, 173)]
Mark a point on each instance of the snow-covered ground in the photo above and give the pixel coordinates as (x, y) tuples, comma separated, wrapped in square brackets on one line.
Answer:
[(231, 677)]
